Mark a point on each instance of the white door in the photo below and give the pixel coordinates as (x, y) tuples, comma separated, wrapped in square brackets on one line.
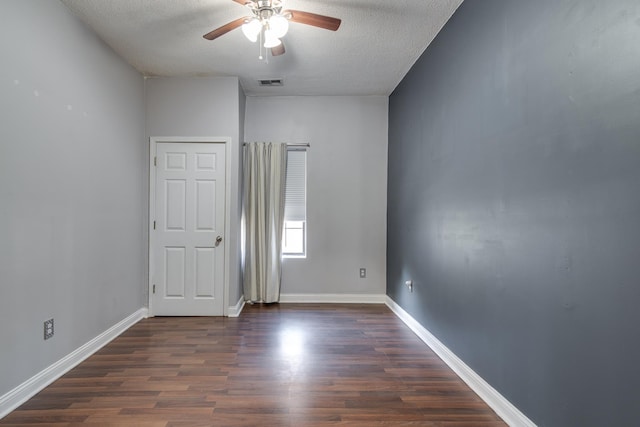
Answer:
[(188, 240)]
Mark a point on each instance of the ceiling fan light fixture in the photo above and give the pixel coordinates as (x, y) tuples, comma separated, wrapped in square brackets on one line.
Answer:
[(270, 40), (279, 25), (251, 29)]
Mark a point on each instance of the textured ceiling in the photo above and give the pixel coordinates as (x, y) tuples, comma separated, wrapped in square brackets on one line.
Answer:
[(377, 43)]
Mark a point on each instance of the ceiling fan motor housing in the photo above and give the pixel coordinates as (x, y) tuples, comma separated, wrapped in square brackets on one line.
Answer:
[(265, 9), (267, 4)]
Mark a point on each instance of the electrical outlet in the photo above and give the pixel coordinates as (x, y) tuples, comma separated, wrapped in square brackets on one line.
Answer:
[(48, 329), (409, 284), (363, 273)]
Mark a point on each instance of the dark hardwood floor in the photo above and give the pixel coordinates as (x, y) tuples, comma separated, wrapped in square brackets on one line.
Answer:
[(276, 365)]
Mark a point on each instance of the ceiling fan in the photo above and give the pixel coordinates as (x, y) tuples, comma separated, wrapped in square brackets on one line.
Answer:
[(269, 23)]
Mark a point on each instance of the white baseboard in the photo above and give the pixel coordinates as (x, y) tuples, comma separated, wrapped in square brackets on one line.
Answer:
[(509, 413), (16, 397), (236, 309), (334, 298)]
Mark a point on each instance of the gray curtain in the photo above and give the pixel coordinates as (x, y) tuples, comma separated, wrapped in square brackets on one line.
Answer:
[(265, 166)]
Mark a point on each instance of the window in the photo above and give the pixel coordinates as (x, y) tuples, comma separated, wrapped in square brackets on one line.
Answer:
[(294, 237)]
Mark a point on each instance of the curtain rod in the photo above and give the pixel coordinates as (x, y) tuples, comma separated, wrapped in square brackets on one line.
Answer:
[(300, 144)]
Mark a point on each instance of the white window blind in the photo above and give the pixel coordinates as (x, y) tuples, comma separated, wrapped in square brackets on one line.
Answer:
[(295, 208)]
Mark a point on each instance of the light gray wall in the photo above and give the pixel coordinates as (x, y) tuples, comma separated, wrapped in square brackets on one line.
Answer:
[(346, 187), (514, 202), (72, 195), (202, 106)]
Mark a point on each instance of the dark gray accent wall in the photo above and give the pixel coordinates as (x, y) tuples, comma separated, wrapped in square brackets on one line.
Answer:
[(514, 202)]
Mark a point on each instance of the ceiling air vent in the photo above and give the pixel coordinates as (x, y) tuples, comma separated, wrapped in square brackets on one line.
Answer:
[(271, 82)]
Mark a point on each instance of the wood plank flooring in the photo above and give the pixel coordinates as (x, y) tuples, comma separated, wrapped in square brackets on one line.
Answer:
[(275, 365)]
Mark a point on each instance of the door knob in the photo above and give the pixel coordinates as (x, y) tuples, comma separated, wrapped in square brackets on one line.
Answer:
[(218, 240)]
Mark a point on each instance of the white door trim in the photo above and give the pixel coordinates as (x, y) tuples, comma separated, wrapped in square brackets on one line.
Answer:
[(153, 141)]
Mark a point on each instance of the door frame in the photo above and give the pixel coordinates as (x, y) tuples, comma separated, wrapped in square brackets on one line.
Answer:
[(153, 146)]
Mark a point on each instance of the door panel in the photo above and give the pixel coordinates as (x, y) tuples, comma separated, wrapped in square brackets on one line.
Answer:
[(189, 207), (205, 272), (176, 197), (175, 277), (205, 209)]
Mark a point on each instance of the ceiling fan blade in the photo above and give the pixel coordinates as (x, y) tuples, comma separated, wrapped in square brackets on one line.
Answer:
[(243, 2), (321, 21), (224, 29), (278, 50)]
